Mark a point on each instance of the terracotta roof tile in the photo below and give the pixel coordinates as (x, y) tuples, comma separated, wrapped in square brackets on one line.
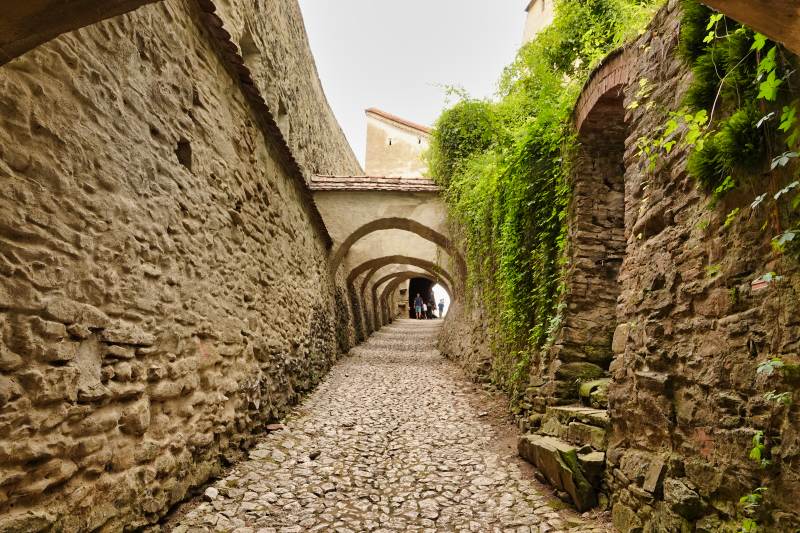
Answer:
[(372, 183)]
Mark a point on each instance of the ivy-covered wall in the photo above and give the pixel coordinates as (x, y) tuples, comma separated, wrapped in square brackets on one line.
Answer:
[(503, 166), (702, 398)]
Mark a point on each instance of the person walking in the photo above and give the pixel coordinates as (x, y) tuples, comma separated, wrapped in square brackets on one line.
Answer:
[(418, 306), (441, 307), (424, 310)]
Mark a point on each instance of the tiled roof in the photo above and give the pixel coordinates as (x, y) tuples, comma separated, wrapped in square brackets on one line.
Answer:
[(372, 183), (399, 120)]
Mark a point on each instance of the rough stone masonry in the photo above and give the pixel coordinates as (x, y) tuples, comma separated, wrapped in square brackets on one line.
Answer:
[(164, 291), (661, 308)]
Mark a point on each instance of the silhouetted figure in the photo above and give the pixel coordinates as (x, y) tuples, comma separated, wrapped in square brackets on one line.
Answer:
[(441, 307), (418, 306)]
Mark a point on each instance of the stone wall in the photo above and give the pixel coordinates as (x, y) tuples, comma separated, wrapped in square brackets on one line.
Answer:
[(685, 399), (273, 43), (464, 335), (664, 304), (164, 290)]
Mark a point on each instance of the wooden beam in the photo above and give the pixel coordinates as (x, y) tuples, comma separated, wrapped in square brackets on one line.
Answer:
[(777, 19), (25, 24)]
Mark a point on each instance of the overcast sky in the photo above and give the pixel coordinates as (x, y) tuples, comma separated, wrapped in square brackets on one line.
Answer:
[(396, 54)]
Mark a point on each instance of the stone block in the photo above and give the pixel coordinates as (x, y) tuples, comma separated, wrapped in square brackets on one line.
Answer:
[(593, 465), (135, 418), (625, 518), (51, 384), (97, 422), (51, 473), (620, 340), (9, 361), (582, 434), (654, 476), (551, 426), (165, 390), (71, 312), (683, 500), (653, 381), (118, 352), (568, 413), (128, 335), (579, 372), (26, 521), (59, 352), (54, 331), (9, 390), (93, 392), (558, 461)]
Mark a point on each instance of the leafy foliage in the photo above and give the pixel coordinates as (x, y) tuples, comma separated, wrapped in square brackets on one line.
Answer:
[(503, 165), (745, 91)]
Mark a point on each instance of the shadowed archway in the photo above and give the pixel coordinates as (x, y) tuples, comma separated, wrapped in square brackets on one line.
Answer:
[(400, 278)]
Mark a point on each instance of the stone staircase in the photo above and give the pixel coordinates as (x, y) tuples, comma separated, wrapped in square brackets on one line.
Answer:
[(569, 445)]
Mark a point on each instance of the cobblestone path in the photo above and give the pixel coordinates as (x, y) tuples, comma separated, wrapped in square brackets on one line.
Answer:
[(388, 442)]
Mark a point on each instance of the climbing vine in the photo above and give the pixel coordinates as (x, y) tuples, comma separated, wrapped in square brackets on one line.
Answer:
[(503, 165), (739, 121)]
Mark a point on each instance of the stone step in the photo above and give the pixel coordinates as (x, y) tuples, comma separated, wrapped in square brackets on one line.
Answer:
[(577, 474), (595, 393), (588, 415), (578, 425)]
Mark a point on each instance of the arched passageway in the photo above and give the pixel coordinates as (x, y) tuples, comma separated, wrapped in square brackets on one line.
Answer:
[(596, 236), (389, 223), (400, 260)]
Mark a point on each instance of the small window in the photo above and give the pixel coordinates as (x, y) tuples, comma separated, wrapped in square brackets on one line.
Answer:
[(390, 141), (419, 141)]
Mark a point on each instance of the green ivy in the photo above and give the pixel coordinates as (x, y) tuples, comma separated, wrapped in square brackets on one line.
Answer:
[(504, 166)]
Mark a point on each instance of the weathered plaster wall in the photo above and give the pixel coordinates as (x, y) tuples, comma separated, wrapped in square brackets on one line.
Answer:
[(539, 15), (394, 149), (164, 291)]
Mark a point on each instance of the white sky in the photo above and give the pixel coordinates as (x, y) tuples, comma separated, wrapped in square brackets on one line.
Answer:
[(392, 54)]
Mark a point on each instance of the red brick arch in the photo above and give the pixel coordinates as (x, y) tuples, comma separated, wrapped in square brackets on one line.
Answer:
[(606, 81)]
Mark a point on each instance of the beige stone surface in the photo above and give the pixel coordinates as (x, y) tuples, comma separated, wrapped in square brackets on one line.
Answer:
[(273, 43), (163, 284)]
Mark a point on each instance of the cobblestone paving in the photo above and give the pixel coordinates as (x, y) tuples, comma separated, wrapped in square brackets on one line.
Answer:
[(388, 442)]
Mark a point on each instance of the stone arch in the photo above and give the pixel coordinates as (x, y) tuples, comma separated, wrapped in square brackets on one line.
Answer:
[(382, 301), (389, 223), (607, 80), (26, 25), (400, 260), (401, 277), (426, 275), (373, 271), (374, 319), (596, 238)]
